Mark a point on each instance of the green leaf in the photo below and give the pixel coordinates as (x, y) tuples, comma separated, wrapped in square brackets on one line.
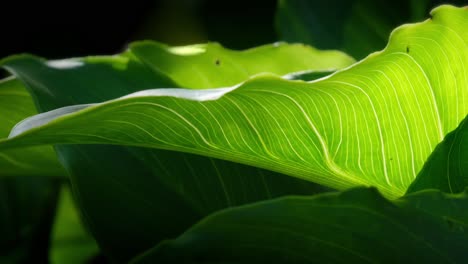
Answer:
[(211, 66), (372, 124), (70, 243), (355, 226), (59, 83), (27, 206), (15, 105), (447, 167), (135, 186), (194, 185), (357, 27), (27, 202)]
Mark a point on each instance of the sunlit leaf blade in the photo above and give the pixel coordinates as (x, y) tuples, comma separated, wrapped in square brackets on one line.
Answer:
[(194, 186), (211, 66), (373, 124), (355, 226), (15, 105), (447, 167)]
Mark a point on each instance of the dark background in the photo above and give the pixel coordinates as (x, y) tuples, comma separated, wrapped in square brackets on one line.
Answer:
[(63, 29), (77, 28), (60, 29)]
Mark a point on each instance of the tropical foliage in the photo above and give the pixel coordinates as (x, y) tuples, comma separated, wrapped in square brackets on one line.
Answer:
[(204, 154)]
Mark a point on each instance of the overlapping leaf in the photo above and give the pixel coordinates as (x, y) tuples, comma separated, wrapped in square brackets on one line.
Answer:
[(28, 182), (355, 226), (447, 167), (212, 66), (27, 206), (15, 105), (70, 242)]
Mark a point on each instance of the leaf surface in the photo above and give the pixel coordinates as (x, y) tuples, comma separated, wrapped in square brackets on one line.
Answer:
[(447, 167), (372, 124), (15, 105), (70, 242), (354, 226), (357, 27), (27, 206), (150, 179), (211, 65)]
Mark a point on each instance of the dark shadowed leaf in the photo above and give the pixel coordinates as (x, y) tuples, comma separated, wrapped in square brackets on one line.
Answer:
[(70, 242), (447, 167), (27, 206), (355, 226)]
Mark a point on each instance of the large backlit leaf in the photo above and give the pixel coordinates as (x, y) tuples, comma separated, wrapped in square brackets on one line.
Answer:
[(15, 105), (355, 226), (372, 124), (149, 179), (447, 167)]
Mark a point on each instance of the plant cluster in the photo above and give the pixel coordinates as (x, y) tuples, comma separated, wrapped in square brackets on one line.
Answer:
[(280, 153)]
